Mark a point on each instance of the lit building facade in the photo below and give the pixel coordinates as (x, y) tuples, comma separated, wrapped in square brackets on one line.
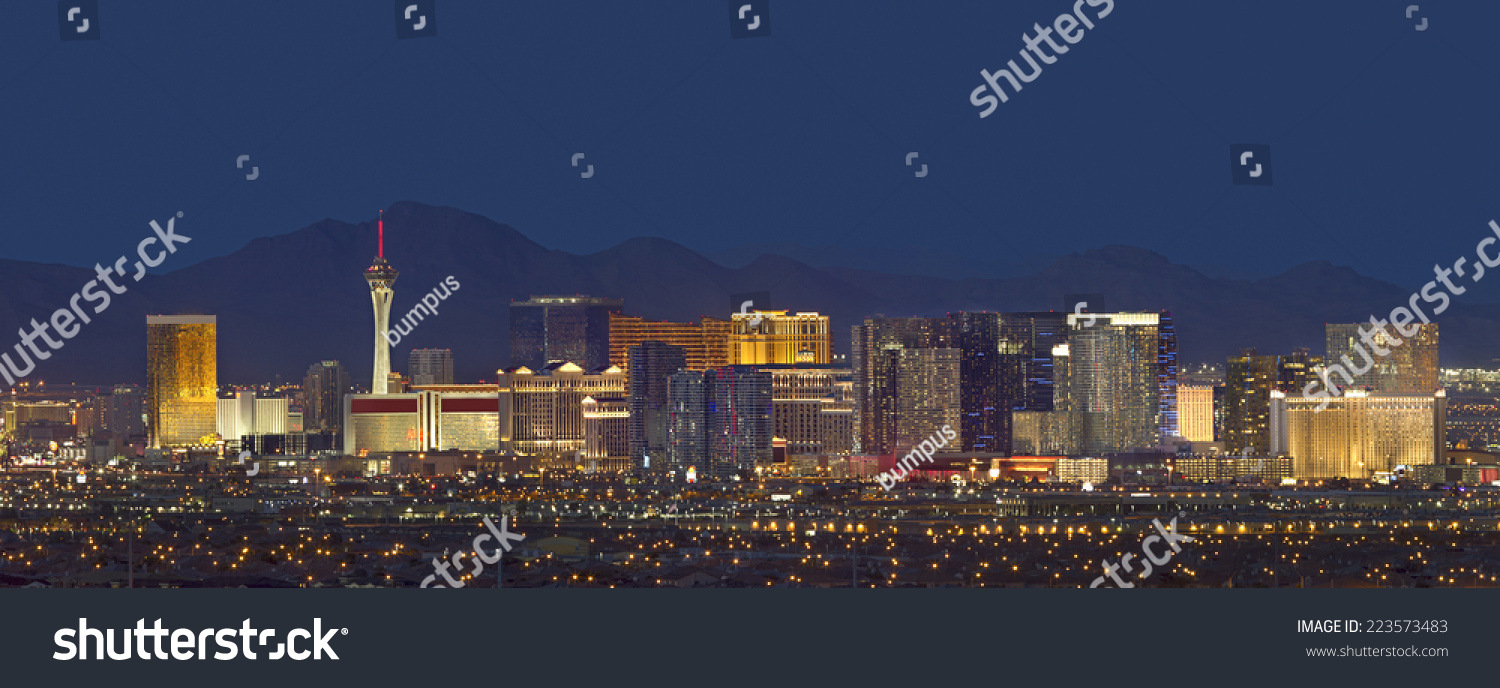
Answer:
[(181, 379), (1167, 419), (1195, 412), (906, 381), (1358, 435), (561, 328), (1410, 367), (1045, 433), (1079, 470), (810, 408), (245, 415), (542, 410), (425, 420), (1222, 468), (704, 344), (770, 337), (1249, 380), (1113, 380), (991, 380), (606, 434)]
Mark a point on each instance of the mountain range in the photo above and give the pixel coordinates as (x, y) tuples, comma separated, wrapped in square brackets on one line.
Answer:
[(288, 301)]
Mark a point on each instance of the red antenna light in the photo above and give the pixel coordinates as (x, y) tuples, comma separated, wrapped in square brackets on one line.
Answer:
[(382, 233)]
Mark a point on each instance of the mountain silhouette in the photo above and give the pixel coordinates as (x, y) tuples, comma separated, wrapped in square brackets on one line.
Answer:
[(288, 301)]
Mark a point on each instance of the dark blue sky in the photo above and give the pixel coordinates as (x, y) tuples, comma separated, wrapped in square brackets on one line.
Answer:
[(1382, 137)]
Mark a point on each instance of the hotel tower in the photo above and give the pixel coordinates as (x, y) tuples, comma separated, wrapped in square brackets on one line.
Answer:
[(381, 276)]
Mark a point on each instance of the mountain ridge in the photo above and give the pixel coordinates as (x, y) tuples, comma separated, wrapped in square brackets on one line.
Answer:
[(285, 302)]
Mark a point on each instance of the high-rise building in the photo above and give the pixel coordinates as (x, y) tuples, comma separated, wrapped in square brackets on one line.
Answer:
[(382, 279), (325, 385), (651, 363), (809, 406), (1166, 377), (1358, 435), (739, 421), (1195, 412), (1249, 380), (687, 422), (706, 343), (561, 328), (1114, 379), (1221, 414), (606, 434), (428, 367), (1037, 334), (125, 417), (769, 337), (246, 415), (181, 379), (1362, 357), (991, 382), (906, 381), (541, 410), (720, 420)]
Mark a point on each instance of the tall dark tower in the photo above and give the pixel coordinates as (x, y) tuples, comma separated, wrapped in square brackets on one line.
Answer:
[(381, 277)]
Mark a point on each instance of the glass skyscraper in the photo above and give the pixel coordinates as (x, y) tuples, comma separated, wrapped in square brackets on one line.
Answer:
[(1410, 367), (324, 386), (650, 365), (561, 328)]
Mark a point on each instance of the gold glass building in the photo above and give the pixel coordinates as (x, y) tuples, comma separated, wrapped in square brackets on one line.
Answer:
[(777, 338), (182, 379), (1358, 435), (1410, 367), (706, 343)]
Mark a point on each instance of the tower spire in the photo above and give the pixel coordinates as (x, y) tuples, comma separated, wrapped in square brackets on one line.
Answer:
[(382, 233)]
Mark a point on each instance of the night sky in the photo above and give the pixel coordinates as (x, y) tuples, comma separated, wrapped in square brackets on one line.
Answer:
[(1382, 137)]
